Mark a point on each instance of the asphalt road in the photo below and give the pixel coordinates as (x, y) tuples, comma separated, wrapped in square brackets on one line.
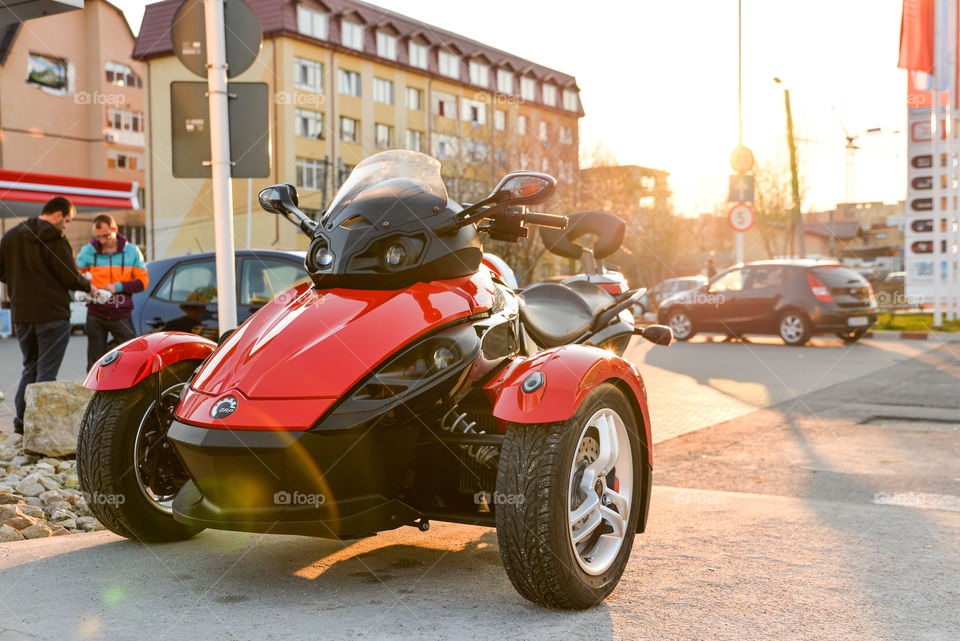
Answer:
[(809, 493)]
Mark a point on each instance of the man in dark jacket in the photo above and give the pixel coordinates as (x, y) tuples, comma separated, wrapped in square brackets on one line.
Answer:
[(37, 265)]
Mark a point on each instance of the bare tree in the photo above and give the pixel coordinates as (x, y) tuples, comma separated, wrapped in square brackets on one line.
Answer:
[(773, 204)]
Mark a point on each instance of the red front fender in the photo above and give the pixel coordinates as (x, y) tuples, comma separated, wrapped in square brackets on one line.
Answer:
[(570, 372), (146, 355)]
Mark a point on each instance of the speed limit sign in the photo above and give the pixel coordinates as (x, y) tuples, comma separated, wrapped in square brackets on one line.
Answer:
[(741, 217)]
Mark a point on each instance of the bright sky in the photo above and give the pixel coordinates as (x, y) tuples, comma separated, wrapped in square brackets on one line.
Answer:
[(658, 81)]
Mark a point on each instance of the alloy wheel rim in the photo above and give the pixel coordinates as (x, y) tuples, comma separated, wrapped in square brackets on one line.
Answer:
[(600, 492), (791, 328), (680, 324), (154, 459)]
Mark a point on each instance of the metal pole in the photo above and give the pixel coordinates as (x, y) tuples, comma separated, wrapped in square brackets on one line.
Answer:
[(220, 163), (739, 247), (938, 168), (740, 73), (249, 212), (794, 180)]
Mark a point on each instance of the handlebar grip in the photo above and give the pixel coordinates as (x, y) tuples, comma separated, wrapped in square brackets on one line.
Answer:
[(546, 220)]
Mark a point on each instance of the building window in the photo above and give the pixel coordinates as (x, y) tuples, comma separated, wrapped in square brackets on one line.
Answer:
[(449, 64), (476, 151), (528, 88), (550, 95), (505, 81), (349, 130), (570, 100), (47, 72), (308, 75), (383, 91), (384, 136), (386, 46), (499, 119), (566, 135), (444, 104), (351, 35), (500, 157), (479, 74), (524, 160), (522, 125), (566, 172), (445, 147), (311, 23), (310, 173), (350, 83), (309, 124), (414, 99), (418, 55), (120, 75), (474, 112), (126, 161), (123, 120), (545, 165), (414, 140), (544, 131)]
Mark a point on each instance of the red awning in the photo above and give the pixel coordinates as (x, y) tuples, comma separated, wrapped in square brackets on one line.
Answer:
[(20, 192)]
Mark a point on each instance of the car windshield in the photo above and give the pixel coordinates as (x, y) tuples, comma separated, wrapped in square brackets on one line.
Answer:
[(419, 173)]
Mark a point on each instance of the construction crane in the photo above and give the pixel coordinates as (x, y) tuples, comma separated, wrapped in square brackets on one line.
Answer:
[(852, 148)]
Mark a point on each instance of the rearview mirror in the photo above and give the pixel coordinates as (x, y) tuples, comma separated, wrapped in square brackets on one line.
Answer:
[(278, 198), (524, 188), (658, 334)]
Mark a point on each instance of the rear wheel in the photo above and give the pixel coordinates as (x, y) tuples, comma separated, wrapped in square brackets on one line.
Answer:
[(794, 327), (569, 500), (852, 336), (127, 468), (682, 325)]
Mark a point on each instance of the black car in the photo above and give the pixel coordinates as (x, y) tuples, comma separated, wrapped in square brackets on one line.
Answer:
[(182, 295), (794, 299)]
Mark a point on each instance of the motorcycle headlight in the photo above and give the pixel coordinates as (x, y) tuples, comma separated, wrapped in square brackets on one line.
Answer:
[(425, 370)]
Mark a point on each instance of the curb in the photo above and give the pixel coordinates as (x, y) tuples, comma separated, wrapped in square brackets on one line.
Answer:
[(888, 335)]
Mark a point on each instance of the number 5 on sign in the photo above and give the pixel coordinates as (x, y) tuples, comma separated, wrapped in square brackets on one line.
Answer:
[(741, 217)]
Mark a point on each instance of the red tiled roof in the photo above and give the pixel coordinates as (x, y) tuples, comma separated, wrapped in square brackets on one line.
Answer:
[(278, 16)]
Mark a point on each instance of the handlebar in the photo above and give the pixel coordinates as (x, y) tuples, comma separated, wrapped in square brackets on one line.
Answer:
[(545, 220)]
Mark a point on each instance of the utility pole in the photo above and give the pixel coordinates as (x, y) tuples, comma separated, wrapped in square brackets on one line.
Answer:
[(795, 183)]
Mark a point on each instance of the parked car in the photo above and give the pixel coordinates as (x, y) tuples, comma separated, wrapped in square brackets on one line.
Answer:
[(182, 295), (650, 301), (794, 299)]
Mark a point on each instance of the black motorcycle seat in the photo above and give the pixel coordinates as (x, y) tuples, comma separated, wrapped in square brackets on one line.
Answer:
[(593, 295), (554, 314)]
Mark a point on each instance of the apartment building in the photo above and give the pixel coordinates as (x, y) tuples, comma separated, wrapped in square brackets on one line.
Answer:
[(71, 118), (349, 79)]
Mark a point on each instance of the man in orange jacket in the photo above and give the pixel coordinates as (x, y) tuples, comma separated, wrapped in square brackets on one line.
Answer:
[(115, 265)]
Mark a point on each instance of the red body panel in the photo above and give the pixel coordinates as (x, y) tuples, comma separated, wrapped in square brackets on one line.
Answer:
[(147, 355), (614, 288), (316, 345), (570, 373)]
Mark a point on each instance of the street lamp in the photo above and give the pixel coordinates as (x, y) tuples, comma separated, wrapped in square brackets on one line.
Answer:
[(795, 217)]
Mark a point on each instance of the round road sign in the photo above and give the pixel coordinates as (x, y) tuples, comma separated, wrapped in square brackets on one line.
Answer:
[(741, 160), (241, 31), (741, 217)]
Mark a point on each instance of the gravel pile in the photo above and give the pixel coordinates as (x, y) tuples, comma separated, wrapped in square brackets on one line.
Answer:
[(39, 496)]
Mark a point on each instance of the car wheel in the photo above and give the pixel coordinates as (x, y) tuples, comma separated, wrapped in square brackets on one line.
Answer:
[(852, 336), (794, 327), (126, 466), (572, 495), (682, 325)]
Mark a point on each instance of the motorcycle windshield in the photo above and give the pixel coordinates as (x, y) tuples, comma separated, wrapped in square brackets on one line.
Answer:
[(398, 173)]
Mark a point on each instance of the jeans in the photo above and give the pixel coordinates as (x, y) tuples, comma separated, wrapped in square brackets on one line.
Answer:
[(97, 329), (43, 346)]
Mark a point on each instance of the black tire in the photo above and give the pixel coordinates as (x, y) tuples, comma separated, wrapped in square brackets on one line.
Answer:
[(533, 519), (794, 327), (105, 458), (852, 337), (681, 324)]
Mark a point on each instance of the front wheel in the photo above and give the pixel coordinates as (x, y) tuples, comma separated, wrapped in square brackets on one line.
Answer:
[(127, 469), (682, 325), (569, 500)]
